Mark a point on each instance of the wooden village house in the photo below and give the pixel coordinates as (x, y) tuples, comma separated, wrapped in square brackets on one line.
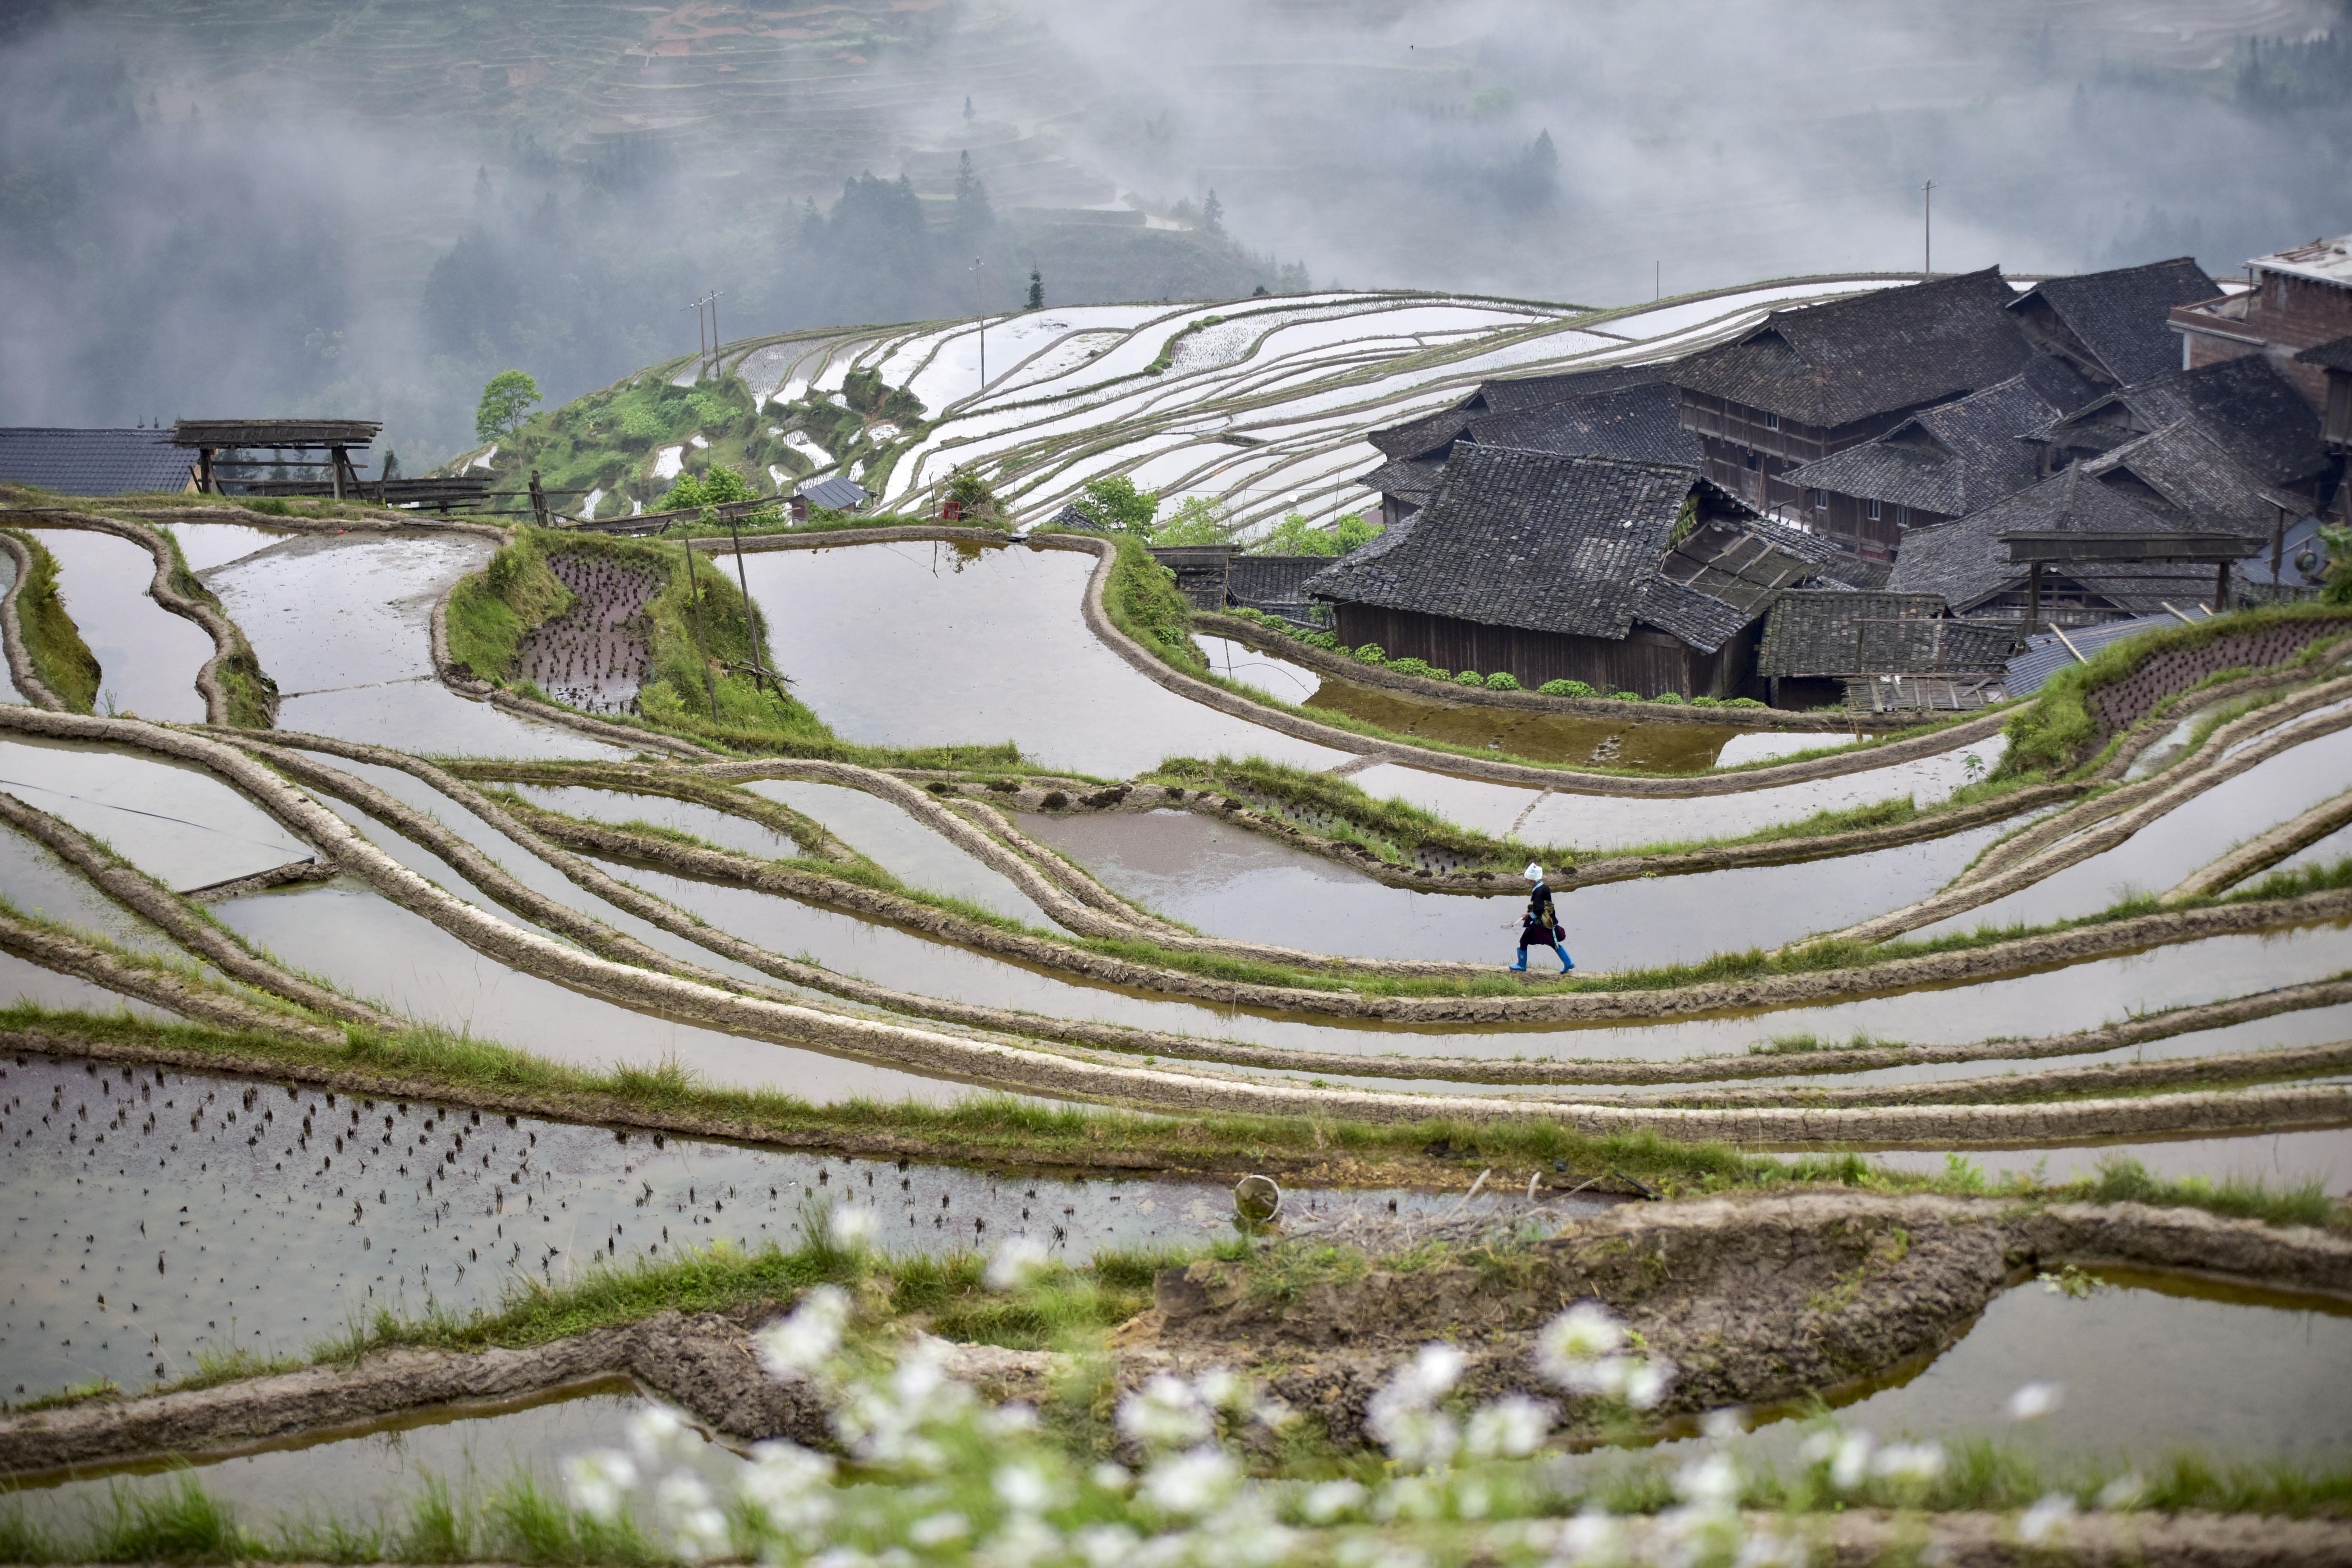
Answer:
[(1627, 575)]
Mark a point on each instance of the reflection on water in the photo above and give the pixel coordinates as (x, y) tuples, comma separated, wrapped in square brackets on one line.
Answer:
[(2282, 1159), (147, 657), (920, 643), (172, 821), (1230, 882), (903, 846), (2157, 856)]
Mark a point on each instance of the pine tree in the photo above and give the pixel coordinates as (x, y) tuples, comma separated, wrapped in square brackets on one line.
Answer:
[(967, 108), (1036, 289), (1212, 214)]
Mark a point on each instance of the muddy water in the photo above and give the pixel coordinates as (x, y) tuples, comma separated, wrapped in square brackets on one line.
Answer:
[(1229, 882), (374, 949), (398, 1205), (922, 643), (594, 655), (343, 624), (147, 657), (906, 848), (206, 545), (2176, 843), (38, 883), (182, 827), (2145, 1365), (22, 981)]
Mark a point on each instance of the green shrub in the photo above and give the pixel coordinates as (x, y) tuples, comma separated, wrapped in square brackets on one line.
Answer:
[(490, 612), (1743, 702), (1566, 689), (1411, 666), (1707, 702), (1624, 697), (52, 640), (1144, 603), (1319, 639), (1371, 653), (1673, 696), (1502, 680), (1469, 678), (714, 487), (1437, 674)]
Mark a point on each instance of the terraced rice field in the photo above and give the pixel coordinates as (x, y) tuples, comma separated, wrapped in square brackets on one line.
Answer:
[(460, 997)]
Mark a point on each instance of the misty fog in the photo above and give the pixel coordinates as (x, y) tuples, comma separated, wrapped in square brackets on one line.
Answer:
[(365, 209)]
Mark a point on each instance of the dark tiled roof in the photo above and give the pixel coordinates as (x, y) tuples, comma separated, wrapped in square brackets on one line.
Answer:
[(2181, 470), (2119, 316), (1525, 391), (1815, 633), (1738, 564), (1702, 620), (1420, 437), (1847, 570), (1410, 478), (1831, 363), (93, 462), (1951, 459), (1641, 422), (1964, 561), (2247, 404), (2335, 354), (835, 494), (1526, 539), (1071, 517)]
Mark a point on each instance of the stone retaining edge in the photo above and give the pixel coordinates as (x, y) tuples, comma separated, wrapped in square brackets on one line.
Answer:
[(157, 988), (2287, 838)]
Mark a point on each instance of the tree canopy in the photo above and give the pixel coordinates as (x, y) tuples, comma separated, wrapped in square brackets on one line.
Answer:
[(1113, 501), (505, 400)]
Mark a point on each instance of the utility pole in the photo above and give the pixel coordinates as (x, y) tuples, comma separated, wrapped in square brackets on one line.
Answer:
[(1928, 229), (715, 355), (982, 312), (1657, 279), (701, 342)]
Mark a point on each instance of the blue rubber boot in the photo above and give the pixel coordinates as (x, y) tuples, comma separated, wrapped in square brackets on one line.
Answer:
[(1521, 966), (1566, 963)]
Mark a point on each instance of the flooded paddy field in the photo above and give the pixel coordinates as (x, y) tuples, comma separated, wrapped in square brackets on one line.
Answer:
[(707, 823), (1230, 882), (2287, 1158), (161, 1216), (596, 654), (175, 822), (344, 625), (910, 851), (981, 644), (206, 546), (147, 657)]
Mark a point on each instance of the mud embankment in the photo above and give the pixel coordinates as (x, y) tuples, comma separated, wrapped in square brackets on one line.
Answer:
[(28, 680), (1756, 1300)]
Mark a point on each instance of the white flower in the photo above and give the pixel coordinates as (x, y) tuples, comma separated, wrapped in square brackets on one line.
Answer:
[(1591, 1537), (1416, 1437), (852, 1228), (2125, 1493), (697, 1529), (1409, 1496), (2046, 1519), (938, 1529), (1573, 1342), (656, 1432), (2033, 1401), (598, 1482), (1766, 1550), (1365, 1550), (1222, 1387), (1104, 1545), (1511, 1429), (1850, 1462), (1166, 1412), (1328, 1501), (789, 1485), (1725, 1424), (1430, 1376), (1646, 1383), (1919, 1462), (1192, 1483), (1017, 1258), (804, 1340), (1009, 1418), (883, 1422), (1111, 1478), (1245, 1535), (1023, 1539), (1023, 1489), (1711, 1483)]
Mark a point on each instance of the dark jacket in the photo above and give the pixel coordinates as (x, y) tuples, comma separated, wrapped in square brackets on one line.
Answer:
[(1540, 924)]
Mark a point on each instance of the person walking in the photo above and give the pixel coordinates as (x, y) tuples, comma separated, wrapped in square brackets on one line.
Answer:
[(1540, 925)]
